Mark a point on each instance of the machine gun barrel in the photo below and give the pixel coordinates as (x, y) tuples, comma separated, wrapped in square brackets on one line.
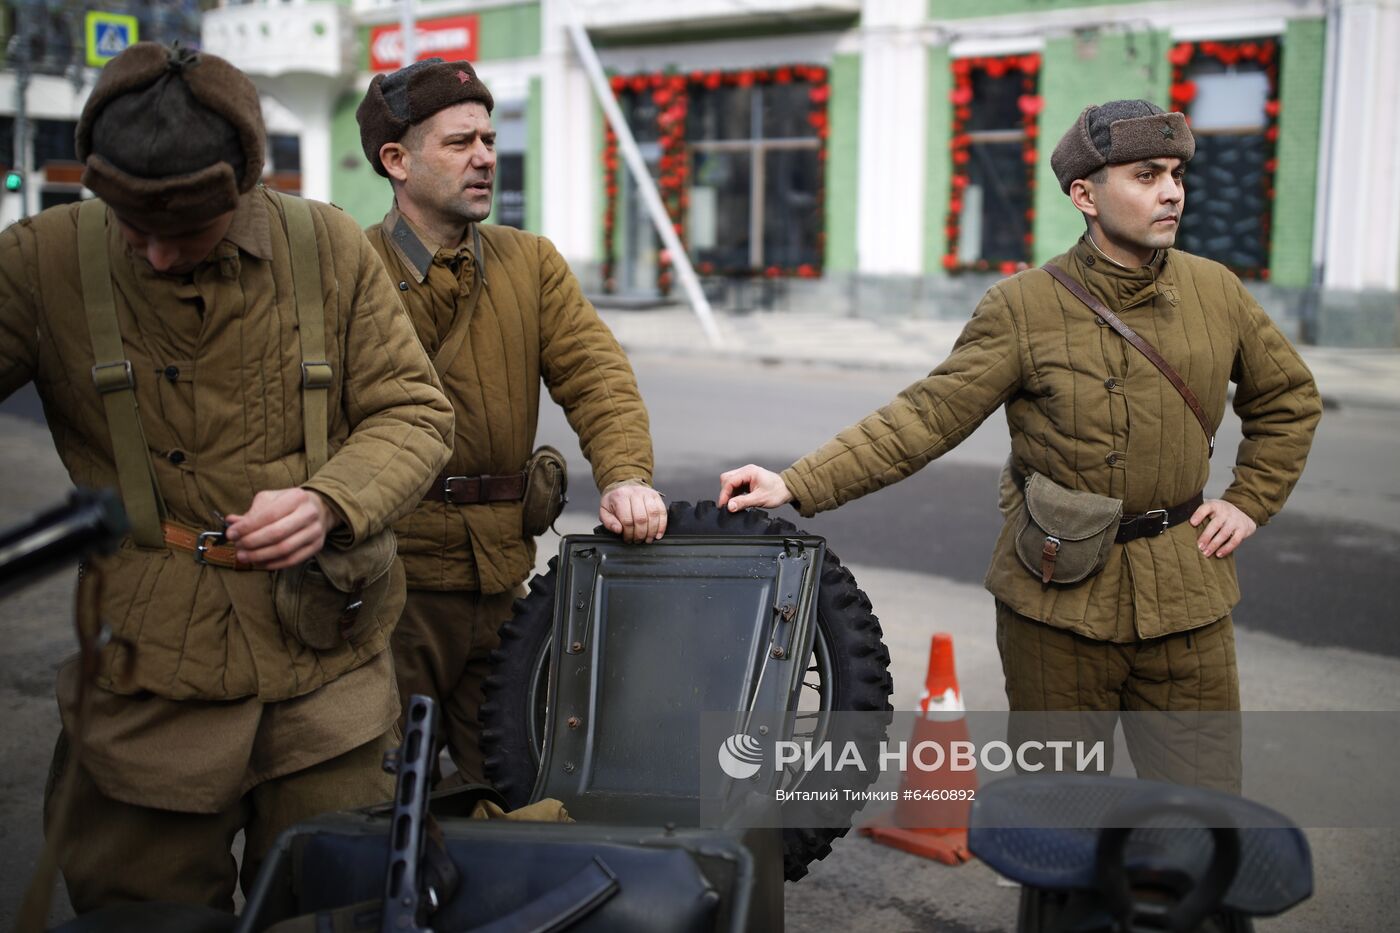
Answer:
[(407, 901), (91, 520)]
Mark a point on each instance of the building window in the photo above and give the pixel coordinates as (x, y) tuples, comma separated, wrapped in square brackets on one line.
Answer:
[(56, 161), (1229, 93), (54, 141), (511, 143), (993, 149), (7, 142), (283, 170), (739, 158)]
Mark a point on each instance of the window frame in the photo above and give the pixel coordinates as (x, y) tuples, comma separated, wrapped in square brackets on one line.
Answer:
[(962, 139), (672, 93), (1266, 50)]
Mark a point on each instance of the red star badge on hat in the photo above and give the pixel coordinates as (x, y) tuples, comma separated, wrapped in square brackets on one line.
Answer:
[(463, 77)]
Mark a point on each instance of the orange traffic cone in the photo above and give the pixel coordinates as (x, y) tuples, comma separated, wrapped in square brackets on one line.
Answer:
[(930, 818)]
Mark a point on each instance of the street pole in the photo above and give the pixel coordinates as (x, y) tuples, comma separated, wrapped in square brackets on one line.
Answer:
[(646, 185), (20, 47), (408, 33)]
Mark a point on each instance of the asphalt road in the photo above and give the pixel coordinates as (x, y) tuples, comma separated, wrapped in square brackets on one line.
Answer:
[(1325, 572)]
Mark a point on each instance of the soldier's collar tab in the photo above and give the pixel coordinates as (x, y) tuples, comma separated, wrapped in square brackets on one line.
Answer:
[(409, 244), (251, 228)]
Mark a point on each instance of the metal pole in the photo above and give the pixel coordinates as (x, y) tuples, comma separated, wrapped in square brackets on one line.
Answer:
[(408, 32), (646, 185), (20, 47)]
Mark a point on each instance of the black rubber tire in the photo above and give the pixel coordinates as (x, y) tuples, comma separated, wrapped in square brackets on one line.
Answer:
[(857, 654)]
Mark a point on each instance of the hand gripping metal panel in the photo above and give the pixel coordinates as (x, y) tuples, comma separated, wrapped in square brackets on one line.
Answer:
[(648, 637)]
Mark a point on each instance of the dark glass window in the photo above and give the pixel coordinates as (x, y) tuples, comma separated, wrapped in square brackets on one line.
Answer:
[(510, 190), (1228, 208), (52, 197), (994, 206), (53, 141), (738, 160), (285, 151), (722, 113), (994, 102), (7, 142), (792, 180), (993, 179), (755, 183)]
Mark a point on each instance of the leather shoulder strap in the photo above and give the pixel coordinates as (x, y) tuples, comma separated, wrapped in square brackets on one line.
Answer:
[(115, 381), (1142, 346), (316, 374)]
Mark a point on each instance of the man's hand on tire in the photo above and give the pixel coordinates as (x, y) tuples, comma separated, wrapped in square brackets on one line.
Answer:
[(751, 487), (636, 512)]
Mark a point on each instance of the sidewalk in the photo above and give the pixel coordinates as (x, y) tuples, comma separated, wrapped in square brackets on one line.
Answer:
[(1357, 378)]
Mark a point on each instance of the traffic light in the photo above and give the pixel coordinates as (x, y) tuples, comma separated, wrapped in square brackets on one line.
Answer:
[(14, 180)]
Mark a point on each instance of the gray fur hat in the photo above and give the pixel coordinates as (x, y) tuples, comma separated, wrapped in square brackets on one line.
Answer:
[(1117, 132)]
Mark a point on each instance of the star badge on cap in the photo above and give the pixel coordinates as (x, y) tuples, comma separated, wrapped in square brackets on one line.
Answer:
[(1167, 131), (463, 77)]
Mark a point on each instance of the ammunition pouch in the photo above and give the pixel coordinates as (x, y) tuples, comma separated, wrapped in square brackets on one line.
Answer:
[(546, 491), (1065, 535), (337, 595)]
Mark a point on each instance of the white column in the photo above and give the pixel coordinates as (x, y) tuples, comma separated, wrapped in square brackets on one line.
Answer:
[(310, 98), (316, 152), (571, 150), (1362, 251), (893, 121)]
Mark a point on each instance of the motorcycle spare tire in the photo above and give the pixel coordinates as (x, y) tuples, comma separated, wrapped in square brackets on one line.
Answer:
[(849, 659)]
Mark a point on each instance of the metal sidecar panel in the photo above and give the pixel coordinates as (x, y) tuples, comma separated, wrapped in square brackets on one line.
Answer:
[(648, 637)]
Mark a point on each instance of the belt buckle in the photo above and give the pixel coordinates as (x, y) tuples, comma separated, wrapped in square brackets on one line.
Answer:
[(1162, 529), (201, 548), (447, 488)]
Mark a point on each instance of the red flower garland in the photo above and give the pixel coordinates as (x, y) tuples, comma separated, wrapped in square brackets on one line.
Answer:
[(1183, 92), (670, 93), (1030, 104)]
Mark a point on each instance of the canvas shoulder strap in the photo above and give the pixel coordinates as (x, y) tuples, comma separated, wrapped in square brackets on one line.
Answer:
[(1142, 346), (461, 321), (316, 373), (115, 381)]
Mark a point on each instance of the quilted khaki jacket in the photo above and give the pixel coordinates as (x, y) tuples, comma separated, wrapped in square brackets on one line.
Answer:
[(217, 364), (1090, 412), (531, 324)]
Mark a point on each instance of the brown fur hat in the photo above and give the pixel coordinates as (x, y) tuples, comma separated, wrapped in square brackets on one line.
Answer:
[(1117, 132), (171, 137), (395, 102)]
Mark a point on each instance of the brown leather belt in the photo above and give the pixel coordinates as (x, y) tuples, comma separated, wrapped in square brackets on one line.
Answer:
[(1148, 524), (1157, 521), (476, 490), (208, 547)]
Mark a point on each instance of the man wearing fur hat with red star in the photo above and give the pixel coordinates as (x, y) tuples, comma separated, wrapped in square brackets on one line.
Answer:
[(1114, 577), (500, 313), (237, 364)]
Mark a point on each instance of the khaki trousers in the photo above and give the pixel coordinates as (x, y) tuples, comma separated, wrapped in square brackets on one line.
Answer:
[(113, 852), (442, 649), (1050, 670)]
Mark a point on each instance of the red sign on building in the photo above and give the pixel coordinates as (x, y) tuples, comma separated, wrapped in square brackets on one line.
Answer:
[(451, 38)]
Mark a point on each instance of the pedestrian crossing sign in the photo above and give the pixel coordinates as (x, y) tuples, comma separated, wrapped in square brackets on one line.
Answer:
[(108, 35)]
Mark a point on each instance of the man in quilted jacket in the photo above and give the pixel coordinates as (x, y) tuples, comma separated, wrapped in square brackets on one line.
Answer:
[(499, 312), (210, 710), (1152, 629)]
